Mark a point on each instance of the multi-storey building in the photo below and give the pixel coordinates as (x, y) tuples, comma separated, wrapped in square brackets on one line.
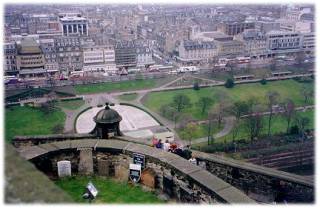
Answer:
[(230, 48), (196, 50), (73, 25), (309, 42), (69, 54), (99, 59), (234, 28), (255, 43), (49, 51), (266, 26), (30, 58), (144, 57), (10, 64), (284, 42), (125, 54)]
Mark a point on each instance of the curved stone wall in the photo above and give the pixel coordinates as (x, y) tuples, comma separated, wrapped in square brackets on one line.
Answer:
[(204, 183), (260, 183)]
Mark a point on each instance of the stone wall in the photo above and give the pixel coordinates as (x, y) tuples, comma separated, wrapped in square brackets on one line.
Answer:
[(175, 177), (260, 183)]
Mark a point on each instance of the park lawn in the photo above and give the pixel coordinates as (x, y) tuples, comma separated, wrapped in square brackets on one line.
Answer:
[(278, 126), (71, 104), (30, 121), (128, 97), (286, 89), (115, 86), (202, 131), (110, 191)]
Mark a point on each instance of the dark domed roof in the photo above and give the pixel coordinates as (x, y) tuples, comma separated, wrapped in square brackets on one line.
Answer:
[(107, 115)]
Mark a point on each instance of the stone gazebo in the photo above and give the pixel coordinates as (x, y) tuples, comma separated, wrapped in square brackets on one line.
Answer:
[(107, 123)]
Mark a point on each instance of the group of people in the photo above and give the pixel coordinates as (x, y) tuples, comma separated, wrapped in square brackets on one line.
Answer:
[(184, 152)]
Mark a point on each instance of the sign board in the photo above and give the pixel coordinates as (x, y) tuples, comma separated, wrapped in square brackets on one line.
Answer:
[(64, 168), (92, 189), (135, 172), (139, 159)]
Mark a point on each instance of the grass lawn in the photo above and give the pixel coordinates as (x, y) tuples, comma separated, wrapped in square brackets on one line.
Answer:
[(128, 97), (286, 89), (109, 190), (202, 130), (279, 125), (30, 121), (71, 104)]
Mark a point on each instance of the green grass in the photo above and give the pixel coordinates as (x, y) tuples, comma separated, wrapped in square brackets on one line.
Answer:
[(278, 125), (202, 130), (115, 86), (286, 89), (128, 97), (71, 104), (30, 121), (110, 191)]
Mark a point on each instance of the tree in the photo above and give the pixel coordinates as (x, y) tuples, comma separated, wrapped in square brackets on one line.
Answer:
[(272, 98), (180, 102), (302, 123), (211, 117), (289, 111), (222, 107), (184, 119), (238, 109), (204, 103), (196, 86), (307, 93), (189, 131), (229, 83), (57, 129), (254, 124), (263, 81)]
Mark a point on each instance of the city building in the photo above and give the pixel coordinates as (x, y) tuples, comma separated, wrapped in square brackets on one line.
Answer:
[(10, 53), (30, 59), (144, 57), (234, 28), (196, 50), (99, 59), (284, 42), (255, 43), (125, 54), (309, 42), (230, 48), (49, 51), (266, 26), (73, 25), (69, 54)]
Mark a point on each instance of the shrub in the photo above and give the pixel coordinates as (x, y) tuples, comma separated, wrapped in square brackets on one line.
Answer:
[(196, 86), (229, 83), (263, 81)]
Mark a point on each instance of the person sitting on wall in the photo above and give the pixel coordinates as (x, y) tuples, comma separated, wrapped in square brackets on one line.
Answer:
[(166, 146), (159, 144), (173, 147), (154, 141), (187, 153), (193, 160)]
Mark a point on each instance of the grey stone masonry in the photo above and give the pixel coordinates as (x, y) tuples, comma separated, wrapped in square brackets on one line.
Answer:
[(196, 186)]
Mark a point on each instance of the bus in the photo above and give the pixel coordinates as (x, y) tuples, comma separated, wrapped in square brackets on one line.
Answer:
[(191, 69), (77, 74), (243, 60), (11, 79)]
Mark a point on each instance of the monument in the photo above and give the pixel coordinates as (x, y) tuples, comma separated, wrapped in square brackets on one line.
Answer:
[(64, 168), (107, 123)]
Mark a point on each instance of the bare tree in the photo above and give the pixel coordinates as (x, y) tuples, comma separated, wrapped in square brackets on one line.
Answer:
[(222, 106), (204, 103), (289, 111), (302, 123), (189, 132), (272, 97), (180, 102), (238, 109), (254, 119), (307, 93)]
